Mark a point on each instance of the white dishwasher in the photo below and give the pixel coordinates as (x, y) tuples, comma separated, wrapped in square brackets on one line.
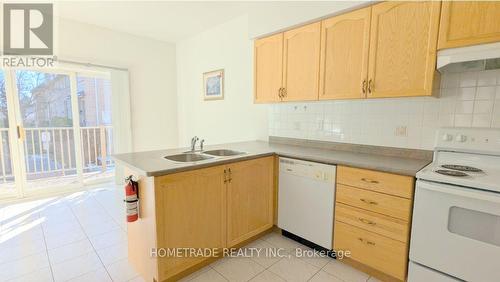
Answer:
[(306, 200)]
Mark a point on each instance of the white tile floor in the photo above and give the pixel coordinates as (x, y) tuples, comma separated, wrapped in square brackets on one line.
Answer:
[(82, 237)]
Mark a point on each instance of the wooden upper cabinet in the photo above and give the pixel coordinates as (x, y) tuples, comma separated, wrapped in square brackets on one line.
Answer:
[(268, 68), (344, 55), (250, 194), (403, 42), (469, 23), (301, 48)]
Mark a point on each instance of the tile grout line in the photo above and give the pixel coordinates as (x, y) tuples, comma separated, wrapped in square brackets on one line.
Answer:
[(217, 273), (93, 247), (47, 251)]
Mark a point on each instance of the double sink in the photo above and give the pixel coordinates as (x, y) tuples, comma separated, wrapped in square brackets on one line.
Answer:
[(188, 157)]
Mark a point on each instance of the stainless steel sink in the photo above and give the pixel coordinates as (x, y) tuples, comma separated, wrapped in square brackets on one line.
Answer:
[(187, 157), (223, 152)]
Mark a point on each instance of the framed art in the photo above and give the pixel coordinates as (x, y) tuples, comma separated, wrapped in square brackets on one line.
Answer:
[(213, 85)]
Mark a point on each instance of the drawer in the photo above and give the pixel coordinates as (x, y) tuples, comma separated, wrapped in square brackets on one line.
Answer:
[(388, 183), (376, 251), (384, 225), (376, 202)]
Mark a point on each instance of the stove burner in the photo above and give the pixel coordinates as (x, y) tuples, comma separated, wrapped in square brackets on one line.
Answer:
[(451, 173), (462, 168)]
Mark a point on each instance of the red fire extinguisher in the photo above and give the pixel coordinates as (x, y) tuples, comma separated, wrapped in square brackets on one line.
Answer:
[(132, 199)]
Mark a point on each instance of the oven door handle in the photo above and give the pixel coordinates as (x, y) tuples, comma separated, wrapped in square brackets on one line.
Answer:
[(460, 191)]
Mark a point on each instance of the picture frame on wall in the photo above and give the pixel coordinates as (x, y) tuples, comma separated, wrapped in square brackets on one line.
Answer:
[(213, 85)]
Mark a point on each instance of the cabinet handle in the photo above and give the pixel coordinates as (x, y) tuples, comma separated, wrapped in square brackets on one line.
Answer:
[(225, 179), (370, 86), (370, 181), (366, 221), (363, 86), (368, 202), (284, 92), (230, 176), (366, 241), (280, 92)]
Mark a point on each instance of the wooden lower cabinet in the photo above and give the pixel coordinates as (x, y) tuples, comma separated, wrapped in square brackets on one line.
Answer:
[(249, 199), (373, 221), (190, 213), (379, 252), (377, 202), (208, 208)]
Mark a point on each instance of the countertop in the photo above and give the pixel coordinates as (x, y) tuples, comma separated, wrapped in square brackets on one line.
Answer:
[(152, 163)]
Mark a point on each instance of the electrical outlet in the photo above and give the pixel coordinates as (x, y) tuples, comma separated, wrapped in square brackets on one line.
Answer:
[(401, 131)]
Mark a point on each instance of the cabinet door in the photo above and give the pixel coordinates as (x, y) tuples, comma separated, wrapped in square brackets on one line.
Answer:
[(468, 23), (249, 199), (301, 48), (344, 55), (403, 41), (268, 68), (192, 214)]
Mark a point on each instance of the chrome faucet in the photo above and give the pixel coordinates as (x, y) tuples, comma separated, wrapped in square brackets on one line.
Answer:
[(193, 143), (201, 144)]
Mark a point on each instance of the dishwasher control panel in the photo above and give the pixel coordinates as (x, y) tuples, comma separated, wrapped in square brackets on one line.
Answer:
[(317, 171)]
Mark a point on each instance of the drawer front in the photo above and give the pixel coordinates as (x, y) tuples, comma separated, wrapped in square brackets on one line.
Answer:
[(376, 202), (388, 183), (379, 252), (391, 227)]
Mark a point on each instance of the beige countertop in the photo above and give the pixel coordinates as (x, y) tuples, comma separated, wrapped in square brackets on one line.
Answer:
[(152, 163)]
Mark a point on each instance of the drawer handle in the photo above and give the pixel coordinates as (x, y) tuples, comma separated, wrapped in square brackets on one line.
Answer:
[(370, 181), (368, 202), (366, 221), (366, 242)]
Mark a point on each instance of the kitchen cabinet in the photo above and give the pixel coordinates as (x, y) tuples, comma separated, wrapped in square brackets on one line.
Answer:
[(268, 68), (207, 208), (344, 55), (190, 213), (250, 190), (465, 23), (380, 252), (373, 219), (382, 51), (301, 48), (402, 57)]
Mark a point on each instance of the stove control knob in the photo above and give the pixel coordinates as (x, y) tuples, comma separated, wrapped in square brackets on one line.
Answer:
[(447, 137), (460, 138)]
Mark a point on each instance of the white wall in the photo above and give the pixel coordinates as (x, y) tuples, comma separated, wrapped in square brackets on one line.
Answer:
[(236, 118), (468, 99), (152, 71), (277, 16)]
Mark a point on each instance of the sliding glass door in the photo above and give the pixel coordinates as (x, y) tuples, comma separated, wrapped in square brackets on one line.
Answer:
[(94, 107), (7, 178), (55, 130), (46, 129)]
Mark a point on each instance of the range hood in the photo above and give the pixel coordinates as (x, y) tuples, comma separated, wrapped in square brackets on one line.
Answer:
[(470, 58)]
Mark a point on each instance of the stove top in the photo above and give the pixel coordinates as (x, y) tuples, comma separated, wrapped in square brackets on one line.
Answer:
[(467, 157)]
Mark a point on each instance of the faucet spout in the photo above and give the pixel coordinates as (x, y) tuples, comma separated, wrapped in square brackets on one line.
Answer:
[(193, 143)]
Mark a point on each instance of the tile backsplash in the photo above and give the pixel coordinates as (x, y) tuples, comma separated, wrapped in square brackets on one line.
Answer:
[(467, 99)]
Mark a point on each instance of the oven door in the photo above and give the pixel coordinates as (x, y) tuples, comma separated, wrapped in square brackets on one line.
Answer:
[(456, 230)]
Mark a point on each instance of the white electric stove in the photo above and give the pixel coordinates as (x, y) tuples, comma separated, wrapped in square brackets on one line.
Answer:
[(456, 216)]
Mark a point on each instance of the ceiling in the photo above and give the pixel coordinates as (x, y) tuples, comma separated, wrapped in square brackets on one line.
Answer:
[(166, 21), (172, 21)]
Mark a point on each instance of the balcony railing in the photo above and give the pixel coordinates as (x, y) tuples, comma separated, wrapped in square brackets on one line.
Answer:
[(50, 151), (6, 174)]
